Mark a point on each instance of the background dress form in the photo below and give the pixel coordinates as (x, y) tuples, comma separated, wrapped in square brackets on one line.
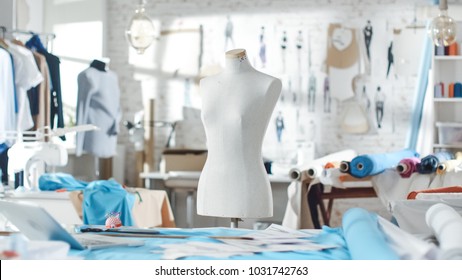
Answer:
[(236, 108), (98, 104)]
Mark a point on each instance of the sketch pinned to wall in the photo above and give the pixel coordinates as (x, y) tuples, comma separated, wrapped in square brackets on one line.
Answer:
[(367, 31), (229, 33), (279, 126), (294, 93), (379, 106), (327, 97), (299, 46), (312, 92), (284, 50), (390, 58), (366, 100), (311, 82), (262, 51), (342, 61)]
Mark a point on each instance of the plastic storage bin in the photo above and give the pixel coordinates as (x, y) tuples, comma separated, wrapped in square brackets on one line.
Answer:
[(449, 133)]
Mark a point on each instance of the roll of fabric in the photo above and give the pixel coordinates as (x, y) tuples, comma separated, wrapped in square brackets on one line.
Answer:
[(448, 166), (345, 166), (454, 189), (364, 238), (367, 165), (458, 155), (407, 166), (314, 168), (446, 224), (430, 163)]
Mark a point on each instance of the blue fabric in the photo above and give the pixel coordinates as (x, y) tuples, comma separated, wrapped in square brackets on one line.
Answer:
[(430, 163), (327, 236), (35, 43), (366, 165), (364, 238), (419, 95), (106, 196), (56, 181)]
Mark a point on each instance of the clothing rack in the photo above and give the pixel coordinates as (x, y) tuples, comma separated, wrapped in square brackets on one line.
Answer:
[(49, 37)]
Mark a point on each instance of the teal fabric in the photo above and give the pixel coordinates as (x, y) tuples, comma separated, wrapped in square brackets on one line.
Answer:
[(372, 164), (106, 196), (364, 238), (57, 181)]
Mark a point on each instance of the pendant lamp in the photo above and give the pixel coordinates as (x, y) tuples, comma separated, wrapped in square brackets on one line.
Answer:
[(443, 29), (140, 32)]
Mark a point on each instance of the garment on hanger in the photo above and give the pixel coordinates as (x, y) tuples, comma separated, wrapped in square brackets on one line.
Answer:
[(56, 106), (8, 104), (39, 96), (27, 75), (98, 104)]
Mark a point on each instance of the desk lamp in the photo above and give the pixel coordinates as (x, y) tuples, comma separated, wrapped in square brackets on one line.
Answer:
[(443, 28)]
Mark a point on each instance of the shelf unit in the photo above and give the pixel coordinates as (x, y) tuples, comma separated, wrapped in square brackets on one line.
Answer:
[(447, 69)]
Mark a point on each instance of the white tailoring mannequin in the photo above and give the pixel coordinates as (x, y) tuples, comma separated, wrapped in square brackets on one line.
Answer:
[(237, 105)]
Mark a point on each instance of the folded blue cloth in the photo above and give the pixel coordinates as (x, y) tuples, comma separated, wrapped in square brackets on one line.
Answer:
[(103, 197), (366, 165), (56, 181), (364, 239), (430, 163)]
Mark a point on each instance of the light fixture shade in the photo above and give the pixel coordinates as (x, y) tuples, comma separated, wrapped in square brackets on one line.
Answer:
[(443, 29), (140, 32)]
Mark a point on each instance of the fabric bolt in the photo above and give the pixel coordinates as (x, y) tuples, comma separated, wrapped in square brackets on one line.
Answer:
[(361, 231), (407, 166), (372, 164), (7, 94), (449, 166), (345, 166), (446, 224), (430, 163), (27, 75), (103, 197), (59, 181), (454, 189), (98, 104)]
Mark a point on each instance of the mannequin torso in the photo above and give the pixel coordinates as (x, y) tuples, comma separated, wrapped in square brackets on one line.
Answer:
[(237, 105)]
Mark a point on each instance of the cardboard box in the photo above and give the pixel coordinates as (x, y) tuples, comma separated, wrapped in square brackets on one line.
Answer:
[(183, 160)]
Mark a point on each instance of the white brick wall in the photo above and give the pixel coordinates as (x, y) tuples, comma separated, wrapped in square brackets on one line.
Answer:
[(141, 78)]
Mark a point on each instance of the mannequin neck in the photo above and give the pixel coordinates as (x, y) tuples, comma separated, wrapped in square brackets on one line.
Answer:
[(101, 66), (237, 61)]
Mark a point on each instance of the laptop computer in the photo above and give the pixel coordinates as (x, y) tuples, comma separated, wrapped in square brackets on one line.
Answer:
[(37, 224)]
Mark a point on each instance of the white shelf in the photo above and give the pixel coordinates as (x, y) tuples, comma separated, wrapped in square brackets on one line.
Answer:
[(448, 99), (448, 146), (448, 57)]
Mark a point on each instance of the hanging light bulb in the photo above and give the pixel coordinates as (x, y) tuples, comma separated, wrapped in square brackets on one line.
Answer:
[(140, 32), (443, 29)]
